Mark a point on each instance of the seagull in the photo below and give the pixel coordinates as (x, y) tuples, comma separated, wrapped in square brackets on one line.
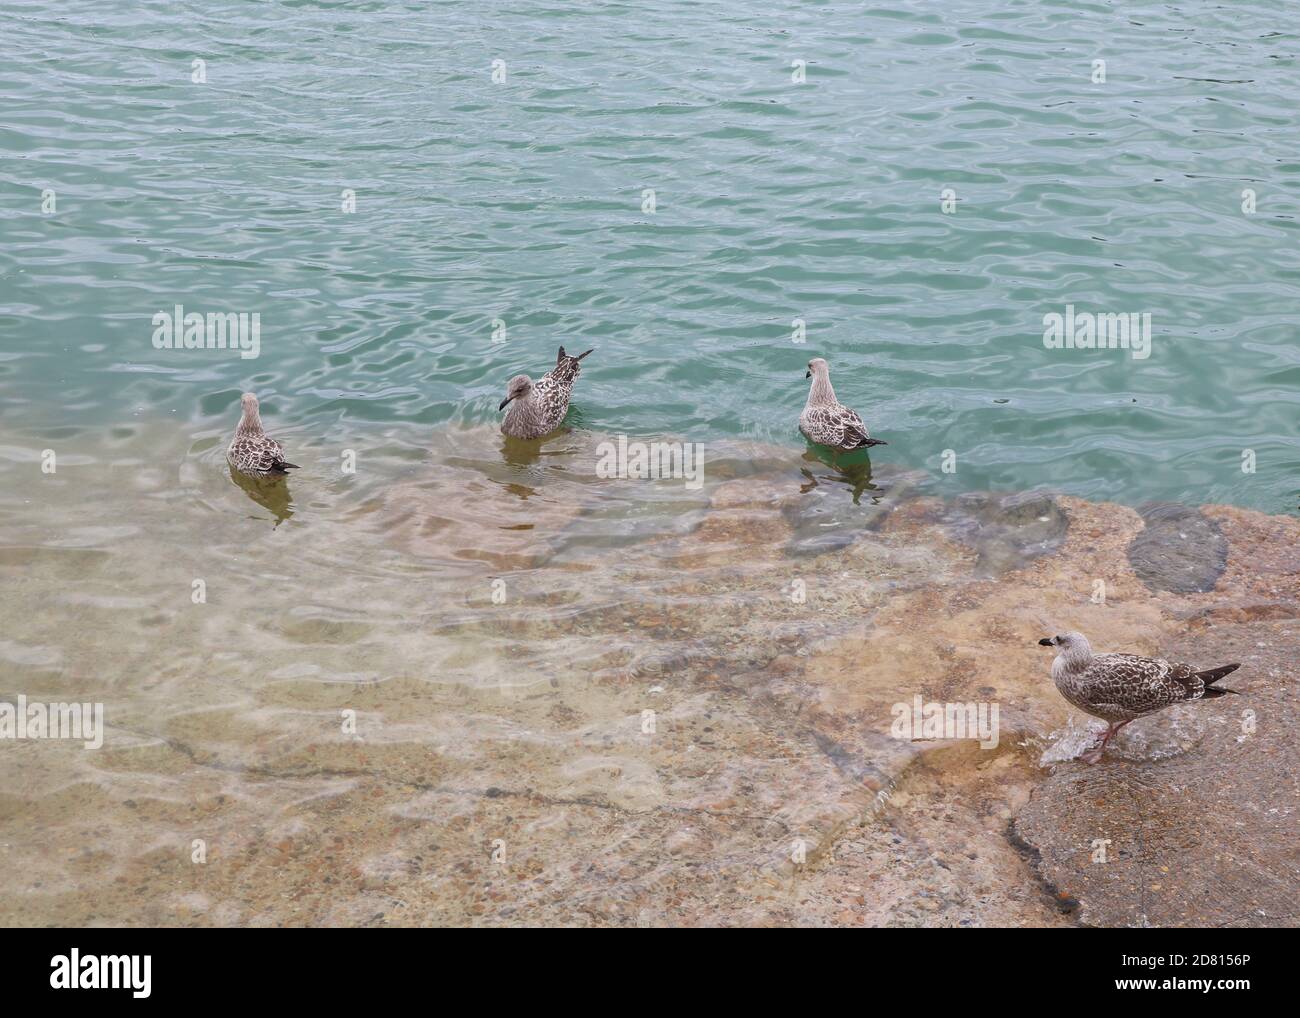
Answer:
[(825, 420), (1119, 688), (539, 407), (252, 451)]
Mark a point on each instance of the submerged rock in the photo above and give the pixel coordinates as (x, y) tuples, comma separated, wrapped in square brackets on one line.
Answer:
[(1180, 550), (1006, 531), (823, 520)]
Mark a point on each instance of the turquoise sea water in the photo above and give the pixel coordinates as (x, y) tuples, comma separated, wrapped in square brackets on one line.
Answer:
[(523, 200)]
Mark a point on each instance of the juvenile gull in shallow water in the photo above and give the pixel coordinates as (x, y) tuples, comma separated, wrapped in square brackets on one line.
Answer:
[(825, 420), (1119, 688), (252, 451), (537, 408)]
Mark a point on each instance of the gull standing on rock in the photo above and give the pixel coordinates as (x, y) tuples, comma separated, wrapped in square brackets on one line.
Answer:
[(252, 451), (537, 408), (1119, 688), (825, 420)]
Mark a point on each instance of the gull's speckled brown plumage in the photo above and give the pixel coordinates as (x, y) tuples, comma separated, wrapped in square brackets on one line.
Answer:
[(538, 408), (827, 421), (252, 451)]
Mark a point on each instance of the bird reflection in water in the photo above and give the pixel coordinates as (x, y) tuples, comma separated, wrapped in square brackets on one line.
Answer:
[(521, 452), (852, 469), (271, 493), (531, 452)]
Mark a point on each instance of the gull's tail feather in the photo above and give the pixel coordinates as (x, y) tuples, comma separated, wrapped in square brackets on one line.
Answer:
[(561, 357), (867, 443)]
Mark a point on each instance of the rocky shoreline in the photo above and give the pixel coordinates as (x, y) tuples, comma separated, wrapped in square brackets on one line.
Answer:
[(677, 718)]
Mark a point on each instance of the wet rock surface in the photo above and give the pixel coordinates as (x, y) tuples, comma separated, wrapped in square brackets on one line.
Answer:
[(1199, 802), (1202, 837), (1180, 549)]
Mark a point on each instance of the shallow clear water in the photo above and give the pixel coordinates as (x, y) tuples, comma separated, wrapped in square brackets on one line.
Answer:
[(522, 201)]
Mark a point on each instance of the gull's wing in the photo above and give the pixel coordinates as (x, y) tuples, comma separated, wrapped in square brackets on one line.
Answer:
[(259, 455), (834, 425), (1141, 684)]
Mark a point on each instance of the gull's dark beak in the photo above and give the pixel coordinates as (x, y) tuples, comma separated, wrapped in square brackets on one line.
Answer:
[(1047, 642), (504, 402), (808, 373)]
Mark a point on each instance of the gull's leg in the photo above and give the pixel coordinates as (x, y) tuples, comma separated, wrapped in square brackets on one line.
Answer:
[(1093, 755)]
